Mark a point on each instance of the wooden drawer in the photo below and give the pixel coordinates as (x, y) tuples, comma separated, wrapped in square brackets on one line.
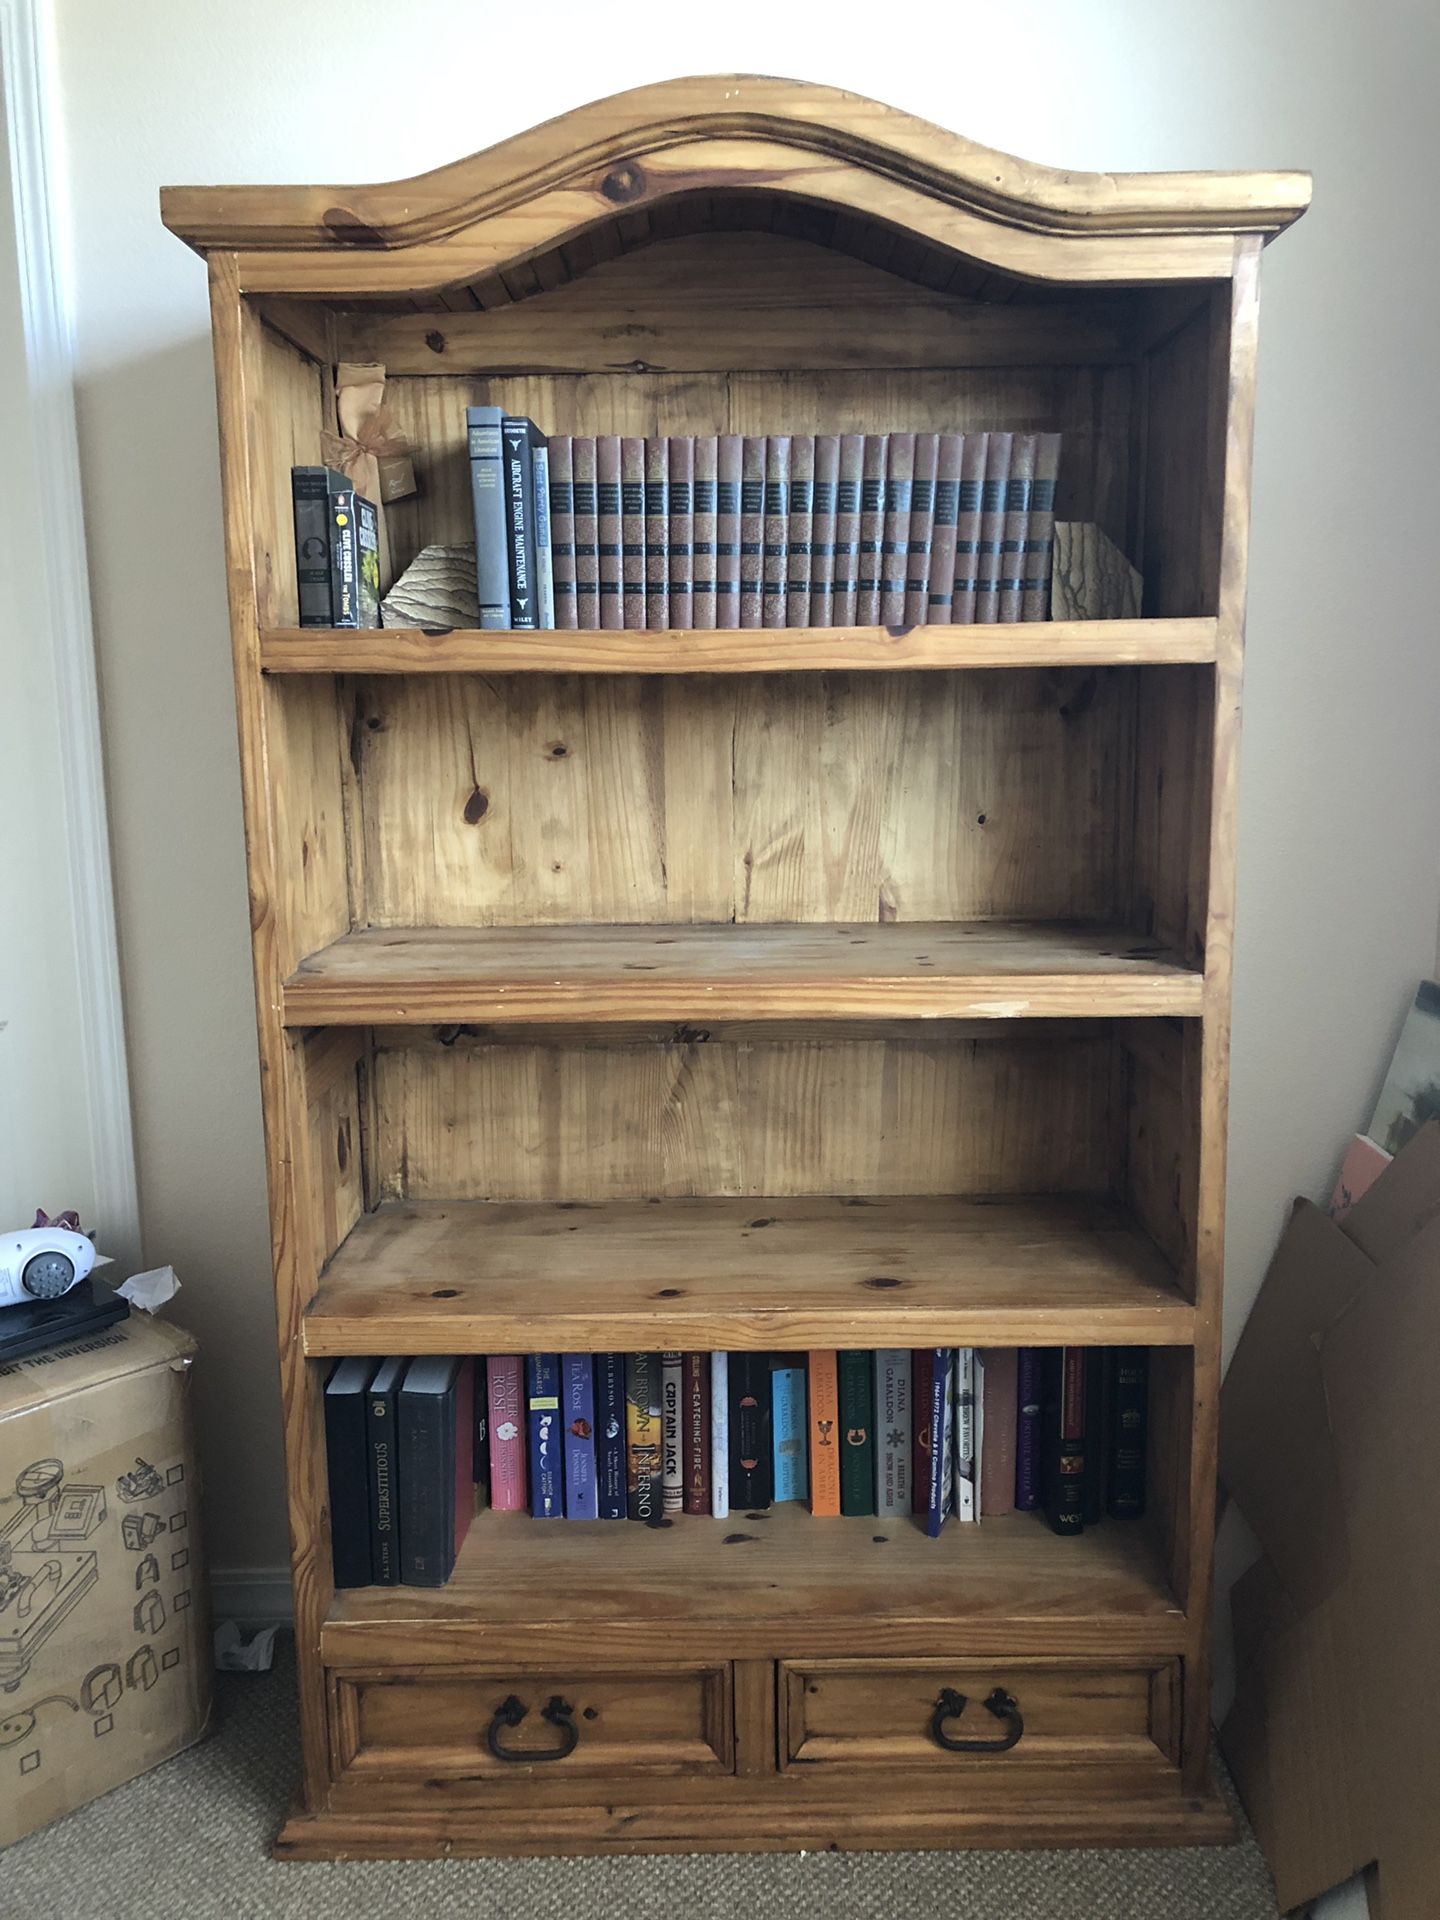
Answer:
[(1047, 1713), (504, 1723)]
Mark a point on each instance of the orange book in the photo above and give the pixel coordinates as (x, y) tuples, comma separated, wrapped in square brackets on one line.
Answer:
[(824, 1434)]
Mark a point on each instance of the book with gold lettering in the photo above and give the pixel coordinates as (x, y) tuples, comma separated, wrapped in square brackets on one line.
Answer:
[(644, 1490)]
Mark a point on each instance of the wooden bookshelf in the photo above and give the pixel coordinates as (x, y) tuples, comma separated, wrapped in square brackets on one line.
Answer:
[(850, 987)]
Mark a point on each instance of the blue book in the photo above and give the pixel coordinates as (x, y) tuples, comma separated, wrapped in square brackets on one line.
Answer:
[(788, 1427), (610, 1436), (547, 1454), (577, 1372), (941, 1415)]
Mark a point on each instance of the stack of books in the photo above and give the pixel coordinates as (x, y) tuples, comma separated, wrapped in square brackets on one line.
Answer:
[(759, 530), (934, 1433)]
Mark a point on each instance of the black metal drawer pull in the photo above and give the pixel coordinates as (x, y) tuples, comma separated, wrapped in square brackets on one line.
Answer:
[(511, 1712), (951, 1705)]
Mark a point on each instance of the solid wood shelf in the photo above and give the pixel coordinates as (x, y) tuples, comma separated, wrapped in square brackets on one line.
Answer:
[(901, 970), (913, 1271), (1040, 643)]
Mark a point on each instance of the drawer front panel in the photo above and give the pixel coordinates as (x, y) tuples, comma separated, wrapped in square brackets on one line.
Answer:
[(508, 1724), (918, 1714)]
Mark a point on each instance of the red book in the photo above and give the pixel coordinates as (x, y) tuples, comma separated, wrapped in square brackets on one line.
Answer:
[(922, 1376), (632, 531), (999, 1424), (607, 529), (967, 527), (657, 532), (872, 529), (1040, 530), (505, 1383), (697, 1432), (727, 530)]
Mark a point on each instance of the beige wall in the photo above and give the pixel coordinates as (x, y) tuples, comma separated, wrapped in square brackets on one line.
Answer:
[(1341, 799)]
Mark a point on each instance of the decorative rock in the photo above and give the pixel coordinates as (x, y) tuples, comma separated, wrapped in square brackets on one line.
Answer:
[(1092, 579), (436, 591)]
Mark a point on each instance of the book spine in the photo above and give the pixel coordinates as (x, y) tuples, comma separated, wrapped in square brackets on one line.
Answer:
[(922, 1361), (562, 530), (544, 554), (426, 1470), (1019, 491), (582, 1491), (587, 539), (1027, 1429), (992, 528), (460, 1430), (967, 1480), (720, 1435), (384, 1488), (310, 501), (344, 560), (696, 1440), (487, 499), (776, 534), (504, 1382), (997, 1458), (520, 521), (845, 549), (644, 1493), (974, 453), (1097, 1425), (728, 459), (367, 562), (480, 1448), (872, 529), (892, 1430), (547, 1453), (1063, 1427), (895, 540), (633, 561), (346, 1460), (1128, 1431), (922, 529), (939, 1419), (752, 530), (1040, 531), (824, 1402), (657, 533), (940, 587), (789, 1430), (703, 546), (822, 529), (857, 1430), (750, 1445), (682, 530), (610, 1473), (608, 531), (672, 1432), (799, 530)]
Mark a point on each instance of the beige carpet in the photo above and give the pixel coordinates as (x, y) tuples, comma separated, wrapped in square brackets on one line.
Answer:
[(190, 1840)]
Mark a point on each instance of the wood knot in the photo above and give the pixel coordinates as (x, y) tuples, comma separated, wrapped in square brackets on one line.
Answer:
[(882, 1282), (623, 183), (435, 340), (476, 807), (348, 226)]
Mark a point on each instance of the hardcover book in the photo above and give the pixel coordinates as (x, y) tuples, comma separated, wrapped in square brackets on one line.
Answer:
[(587, 548), (1063, 1438), (1019, 491), (519, 438), (657, 532), (435, 1429), (682, 530), (824, 1398), (544, 559), (775, 569), (608, 530), (997, 1456), (895, 537), (354, 560), (798, 532), (703, 503), (857, 1423), (505, 1382), (1040, 530), (645, 1496), (487, 499), (672, 1432), (1027, 1429), (310, 491), (939, 1419), (992, 527), (480, 1445), (720, 1435), (382, 1467), (872, 529), (346, 1456), (940, 583), (751, 1465), (845, 558), (562, 529), (547, 1448), (789, 1426), (967, 1481), (1128, 1430), (974, 456), (696, 1437), (822, 529), (1095, 1487), (922, 529), (610, 1438), (577, 1384), (728, 456), (752, 530), (922, 1360), (633, 561), (892, 1430)]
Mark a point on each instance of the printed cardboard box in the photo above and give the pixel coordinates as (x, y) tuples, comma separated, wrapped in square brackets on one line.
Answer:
[(105, 1661)]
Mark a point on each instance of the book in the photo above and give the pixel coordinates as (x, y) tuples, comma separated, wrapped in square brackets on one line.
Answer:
[(547, 1448), (997, 1454), (672, 1432), (822, 529), (992, 527), (974, 453), (751, 1465), (1027, 1429), (789, 1427), (1040, 530), (434, 1435), (519, 438), (1062, 1430), (346, 1456), (608, 531), (657, 532), (480, 1443), (940, 576), (1411, 1093), (544, 559), (695, 1438), (720, 1435), (798, 531), (310, 492), (752, 530), (872, 529), (633, 544), (577, 1388), (776, 534), (922, 1360), (505, 1386), (644, 1494), (845, 553), (562, 529), (354, 560), (610, 1439), (703, 503), (1127, 1432), (1362, 1166), (1094, 1488), (967, 1484), (382, 1477), (487, 503), (895, 527), (892, 1430), (1019, 489), (682, 530), (587, 548), (938, 1418), (728, 454), (857, 1422), (823, 1393), (922, 529)]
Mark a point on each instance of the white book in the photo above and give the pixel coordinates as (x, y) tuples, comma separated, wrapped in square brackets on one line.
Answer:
[(979, 1354), (672, 1423), (544, 559), (966, 1477), (893, 1430), (720, 1435)]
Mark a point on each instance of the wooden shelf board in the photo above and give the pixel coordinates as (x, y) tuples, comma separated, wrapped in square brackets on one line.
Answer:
[(901, 970), (1077, 643), (511, 1276)]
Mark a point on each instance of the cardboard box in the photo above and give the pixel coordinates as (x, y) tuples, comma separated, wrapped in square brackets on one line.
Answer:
[(105, 1665), (1330, 1430)]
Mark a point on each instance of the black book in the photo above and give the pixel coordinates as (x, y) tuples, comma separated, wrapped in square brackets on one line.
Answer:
[(481, 1449), (346, 1453), (519, 438), (1097, 1383), (1127, 1430), (751, 1456), (487, 495), (354, 560), (1062, 1438), (310, 492), (383, 1480), (425, 1422), (856, 1388)]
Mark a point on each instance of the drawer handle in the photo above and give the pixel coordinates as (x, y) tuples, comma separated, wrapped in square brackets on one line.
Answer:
[(511, 1712), (951, 1705)]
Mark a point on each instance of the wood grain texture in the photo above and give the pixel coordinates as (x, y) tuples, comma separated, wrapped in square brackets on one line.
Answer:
[(446, 1277)]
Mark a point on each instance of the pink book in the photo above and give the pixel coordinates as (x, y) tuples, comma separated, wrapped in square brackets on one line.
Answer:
[(507, 1433), (997, 1447), (1362, 1166)]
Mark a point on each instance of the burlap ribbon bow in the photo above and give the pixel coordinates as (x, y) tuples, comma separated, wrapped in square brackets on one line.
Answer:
[(369, 449)]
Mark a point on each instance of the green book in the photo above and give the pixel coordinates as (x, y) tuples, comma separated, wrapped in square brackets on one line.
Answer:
[(857, 1419)]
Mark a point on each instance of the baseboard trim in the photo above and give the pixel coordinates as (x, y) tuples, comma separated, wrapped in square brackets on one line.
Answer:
[(252, 1596)]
